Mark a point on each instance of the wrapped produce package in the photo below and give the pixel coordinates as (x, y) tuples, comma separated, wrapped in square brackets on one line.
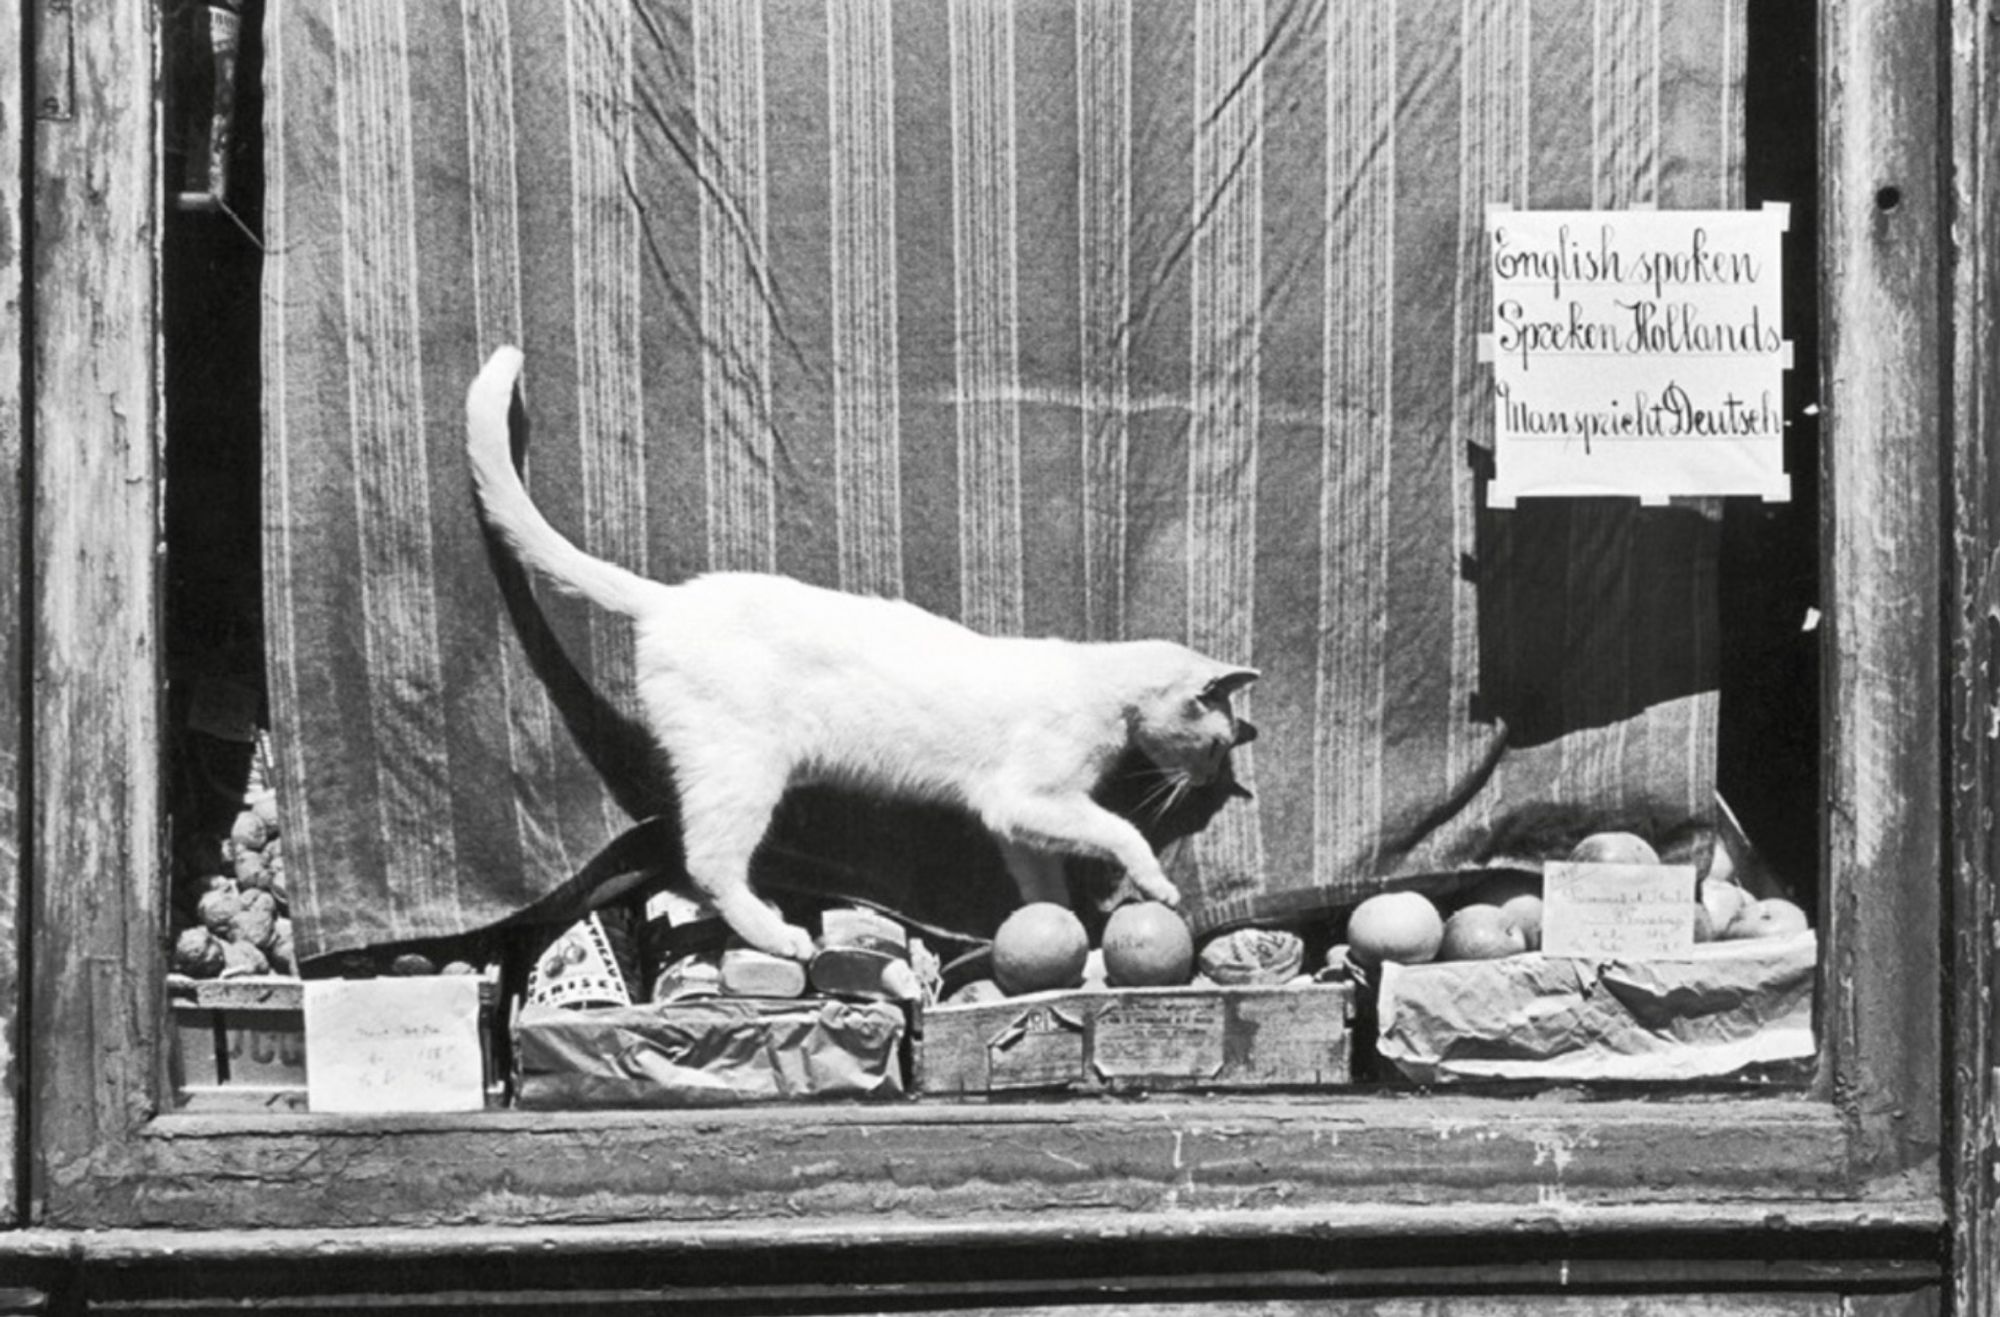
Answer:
[(1725, 1009), (707, 1052)]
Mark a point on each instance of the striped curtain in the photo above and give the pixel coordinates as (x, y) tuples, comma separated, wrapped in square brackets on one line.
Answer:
[(1095, 318)]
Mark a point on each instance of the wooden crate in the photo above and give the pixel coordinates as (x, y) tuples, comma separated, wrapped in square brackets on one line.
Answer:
[(239, 1044), (1133, 1039)]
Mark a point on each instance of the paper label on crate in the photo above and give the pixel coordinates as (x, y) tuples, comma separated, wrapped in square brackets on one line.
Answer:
[(1636, 353), (1618, 911), (1178, 1037), (394, 1045), (1039, 1047)]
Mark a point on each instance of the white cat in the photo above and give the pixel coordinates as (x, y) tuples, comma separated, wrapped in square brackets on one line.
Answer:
[(753, 684)]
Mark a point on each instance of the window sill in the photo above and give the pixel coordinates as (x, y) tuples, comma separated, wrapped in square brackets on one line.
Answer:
[(1165, 1166)]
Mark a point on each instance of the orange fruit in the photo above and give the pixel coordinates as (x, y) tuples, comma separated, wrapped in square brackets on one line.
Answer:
[(1147, 945), (1400, 926), (1614, 848), (1042, 945), (1481, 932)]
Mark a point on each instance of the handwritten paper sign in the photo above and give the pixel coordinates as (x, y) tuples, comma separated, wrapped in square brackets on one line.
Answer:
[(379, 1045), (1636, 353), (1618, 911)]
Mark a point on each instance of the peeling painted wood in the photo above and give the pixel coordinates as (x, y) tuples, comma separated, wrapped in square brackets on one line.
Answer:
[(1975, 655), (1884, 436), (1350, 1262), (1001, 1162), (13, 138), (96, 813), (1925, 1302)]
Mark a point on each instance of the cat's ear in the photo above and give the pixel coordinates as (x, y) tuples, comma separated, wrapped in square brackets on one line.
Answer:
[(1227, 682)]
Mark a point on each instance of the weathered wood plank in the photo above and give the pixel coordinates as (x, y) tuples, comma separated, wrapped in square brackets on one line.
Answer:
[(1925, 1302), (1975, 656), (96, 814), (1882, 263), (13, 139), (1344, 1256), (1018, 1162)]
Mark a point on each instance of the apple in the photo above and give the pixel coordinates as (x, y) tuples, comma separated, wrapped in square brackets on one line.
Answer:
[(1400, 926), (1481, 932), (1771, 917), (1614, 848), (1519, 897), (1723, 901)]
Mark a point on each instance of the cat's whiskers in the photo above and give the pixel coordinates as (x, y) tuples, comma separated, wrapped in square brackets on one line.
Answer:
[(1172, 788)]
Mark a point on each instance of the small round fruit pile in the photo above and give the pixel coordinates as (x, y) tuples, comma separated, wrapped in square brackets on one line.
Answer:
[(1503, 918), (233, 884), (1727, 913), (1503, 915)]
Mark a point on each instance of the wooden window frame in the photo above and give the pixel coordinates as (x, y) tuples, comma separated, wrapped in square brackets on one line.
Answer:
[(1859, 1153)]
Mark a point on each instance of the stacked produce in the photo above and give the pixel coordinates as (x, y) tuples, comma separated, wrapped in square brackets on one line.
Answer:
[(232, 884)]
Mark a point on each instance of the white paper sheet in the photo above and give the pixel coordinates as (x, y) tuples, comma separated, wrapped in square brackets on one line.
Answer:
[(394, 1045), (1637, 353)]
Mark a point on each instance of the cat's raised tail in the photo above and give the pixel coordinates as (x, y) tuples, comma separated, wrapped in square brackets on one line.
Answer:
[(504, 500)]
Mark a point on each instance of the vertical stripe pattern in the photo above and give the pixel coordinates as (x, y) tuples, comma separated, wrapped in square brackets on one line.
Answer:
[(1090, 318), (389, 453), (605, 251), (867, 415), (984, 260), (736, 327), (282, 565), (1493, 168), (1224, 383), (1104, 294), (1626, 103), (1350, 704), (496, 285)]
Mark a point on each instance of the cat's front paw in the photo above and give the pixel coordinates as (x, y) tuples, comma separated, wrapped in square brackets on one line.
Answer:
[(793, 943), (1157, 887)]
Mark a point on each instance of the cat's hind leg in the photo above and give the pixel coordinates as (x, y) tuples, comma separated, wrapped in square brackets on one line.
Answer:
[(725, 811)]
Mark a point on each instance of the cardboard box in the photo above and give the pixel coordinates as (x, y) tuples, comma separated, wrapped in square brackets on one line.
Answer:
[(239, 1044), (1135, 1039)]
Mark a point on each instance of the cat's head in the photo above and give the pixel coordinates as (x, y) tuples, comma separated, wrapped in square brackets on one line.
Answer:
[(1185, 723)]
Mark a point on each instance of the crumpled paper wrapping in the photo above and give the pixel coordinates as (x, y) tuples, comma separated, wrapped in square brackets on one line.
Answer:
[(705, 1053), (1725, 1008)]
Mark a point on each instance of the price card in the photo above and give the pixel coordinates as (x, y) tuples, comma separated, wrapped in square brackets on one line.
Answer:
[(1618, 911), (383, 1045)]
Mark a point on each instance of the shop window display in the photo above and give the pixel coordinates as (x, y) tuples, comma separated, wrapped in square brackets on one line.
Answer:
[(1103, 323)]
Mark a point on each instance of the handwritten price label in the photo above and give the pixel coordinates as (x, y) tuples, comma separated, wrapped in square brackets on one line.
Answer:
[(382, 1045), (1618, 911), (1637, 353)]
